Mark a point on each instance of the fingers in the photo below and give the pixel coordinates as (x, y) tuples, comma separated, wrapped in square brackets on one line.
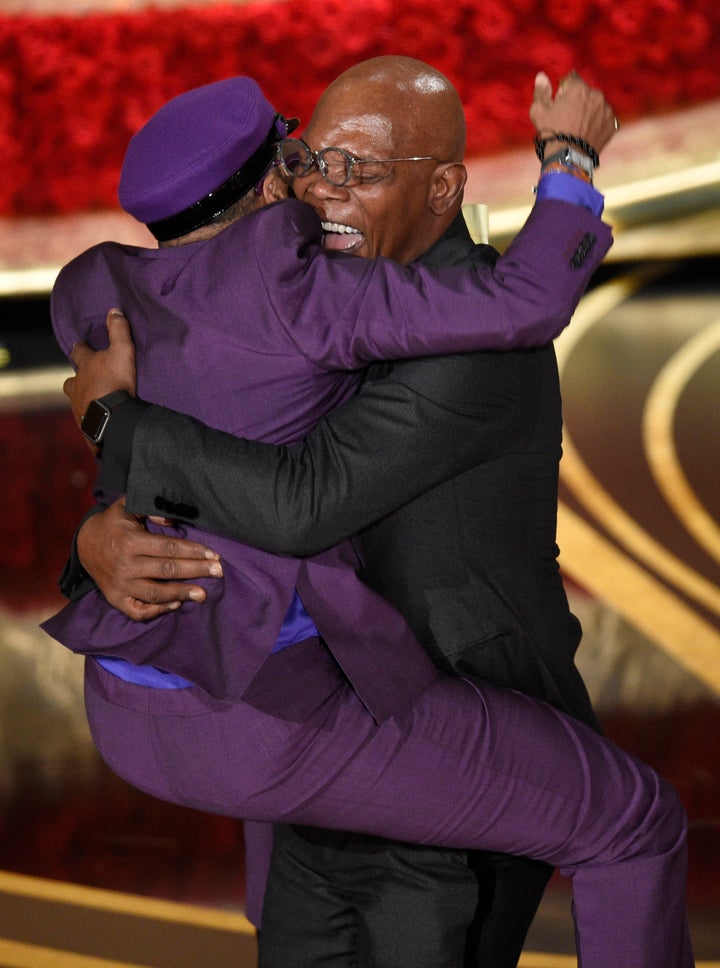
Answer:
[(163, 588), (170, 553), (118, 328), (139, 611), (134, 555), (80, 353), (164, 568), (102, 372), (168, 594), (543, 93), (143, 600), (570, 78), (142, 574)]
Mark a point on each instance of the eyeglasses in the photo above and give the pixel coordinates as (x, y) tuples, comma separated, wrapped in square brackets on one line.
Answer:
[(336, 166)]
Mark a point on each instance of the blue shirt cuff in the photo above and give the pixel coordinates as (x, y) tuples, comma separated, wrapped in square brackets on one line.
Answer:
[(568, 188)]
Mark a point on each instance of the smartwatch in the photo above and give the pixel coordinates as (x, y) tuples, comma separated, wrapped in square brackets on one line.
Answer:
[(97, 416)]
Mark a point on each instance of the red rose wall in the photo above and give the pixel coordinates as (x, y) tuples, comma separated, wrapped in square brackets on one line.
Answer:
[(74, 88)]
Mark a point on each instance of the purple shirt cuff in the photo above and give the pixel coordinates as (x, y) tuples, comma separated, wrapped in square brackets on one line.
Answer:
[(568, 188)]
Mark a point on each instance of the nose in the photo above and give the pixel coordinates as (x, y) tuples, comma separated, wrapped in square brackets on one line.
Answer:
[(314, 185)]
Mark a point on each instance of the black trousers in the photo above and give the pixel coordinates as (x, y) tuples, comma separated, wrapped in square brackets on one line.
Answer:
[(337, 900)]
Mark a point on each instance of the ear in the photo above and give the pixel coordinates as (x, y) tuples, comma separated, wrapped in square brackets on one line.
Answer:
[(274, 187), (447, 187)]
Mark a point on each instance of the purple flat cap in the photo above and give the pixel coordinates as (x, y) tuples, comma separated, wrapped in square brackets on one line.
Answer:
[(198, 154)]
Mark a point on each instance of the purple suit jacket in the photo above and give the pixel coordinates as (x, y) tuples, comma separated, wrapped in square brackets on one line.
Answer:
[(257, 333)]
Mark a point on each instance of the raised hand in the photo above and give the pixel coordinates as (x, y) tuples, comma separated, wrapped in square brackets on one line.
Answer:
[(576, 109)]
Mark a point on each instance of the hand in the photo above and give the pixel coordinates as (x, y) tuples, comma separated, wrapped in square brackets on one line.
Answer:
[(576, 109), (142, 574), (99, 373)]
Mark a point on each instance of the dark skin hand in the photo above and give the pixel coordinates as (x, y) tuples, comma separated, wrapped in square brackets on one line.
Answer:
[(99, 373), (143, 575), (147, 572), (146, 575), (575, 109)]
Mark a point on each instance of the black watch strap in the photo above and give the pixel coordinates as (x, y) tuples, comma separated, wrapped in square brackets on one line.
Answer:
[(97, 416)]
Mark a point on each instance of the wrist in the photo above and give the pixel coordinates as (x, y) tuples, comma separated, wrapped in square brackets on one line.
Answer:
[(554, 140), (97, 417), (571, 161), (83, 539), (566, 170)]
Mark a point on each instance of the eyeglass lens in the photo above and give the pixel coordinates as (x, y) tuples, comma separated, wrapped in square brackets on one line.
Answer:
[(297, 159)]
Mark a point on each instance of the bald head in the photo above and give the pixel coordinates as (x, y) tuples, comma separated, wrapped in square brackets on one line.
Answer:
[(415, 103), (400, 111)]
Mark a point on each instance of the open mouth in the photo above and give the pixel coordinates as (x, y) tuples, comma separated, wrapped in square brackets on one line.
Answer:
[(339, 237)]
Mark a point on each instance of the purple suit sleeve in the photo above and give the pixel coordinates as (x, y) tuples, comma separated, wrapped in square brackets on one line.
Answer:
[(343, 312)]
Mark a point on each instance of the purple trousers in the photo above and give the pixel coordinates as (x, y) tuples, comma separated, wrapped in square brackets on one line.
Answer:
[(464, 766)]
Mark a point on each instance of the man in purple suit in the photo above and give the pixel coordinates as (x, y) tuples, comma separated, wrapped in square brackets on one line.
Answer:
[(379, 770)]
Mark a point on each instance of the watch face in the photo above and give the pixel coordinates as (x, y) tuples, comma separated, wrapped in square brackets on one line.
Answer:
[(95, 420)]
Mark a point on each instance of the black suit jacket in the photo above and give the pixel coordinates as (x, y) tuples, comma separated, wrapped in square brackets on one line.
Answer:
[(472, 562)]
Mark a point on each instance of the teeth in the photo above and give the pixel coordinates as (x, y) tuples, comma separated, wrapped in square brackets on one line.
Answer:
[(337, 227)]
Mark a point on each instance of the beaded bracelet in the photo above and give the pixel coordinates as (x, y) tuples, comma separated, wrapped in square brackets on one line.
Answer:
[(571, 140)]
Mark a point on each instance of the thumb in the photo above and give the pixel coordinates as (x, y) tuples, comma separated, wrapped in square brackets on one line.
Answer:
[(543, 88), (118, 327)]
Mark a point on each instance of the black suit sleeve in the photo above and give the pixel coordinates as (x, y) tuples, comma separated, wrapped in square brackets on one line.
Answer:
[(426, 422)]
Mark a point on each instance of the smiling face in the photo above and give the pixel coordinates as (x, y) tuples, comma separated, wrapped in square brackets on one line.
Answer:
[(390, 107)]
